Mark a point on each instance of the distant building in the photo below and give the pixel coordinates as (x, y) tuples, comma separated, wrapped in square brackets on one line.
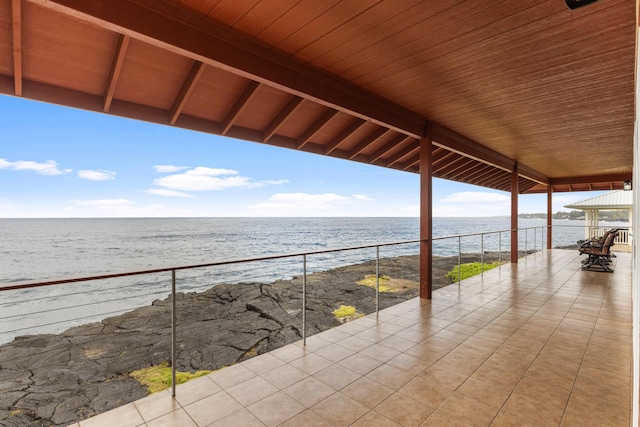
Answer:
[(616, 200)]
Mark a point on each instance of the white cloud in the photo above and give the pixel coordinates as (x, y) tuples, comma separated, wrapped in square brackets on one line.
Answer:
[(209, 179), (120, 208), (472, 203), (169, 168), (105, 203), (96, 175), (363, 198), (297, 204), (50, 167), (167, 193), (476, 197)]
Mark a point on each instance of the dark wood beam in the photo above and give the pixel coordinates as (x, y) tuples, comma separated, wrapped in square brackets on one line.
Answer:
[(170, 27), (239, 105), (281, 117), (185, 91), (346, 133), (399, 139), (532, 174), (16, 25), (114, 73), (368, 141), (406, 151), (455, 165), (460, 144), (411, 163), (591, 179), (315, 127)]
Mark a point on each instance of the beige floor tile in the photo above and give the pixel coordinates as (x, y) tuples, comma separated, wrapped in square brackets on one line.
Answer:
[(251, 391), (309, 391), (397, 343), (263, 363), (390, 376), (232, 375), (284, 376), (306, 419), (337, 376), (156, 405), (196, 389), (276, 409), (380, 352), (404, 410), (375, 419), (335, 352), (311, 363), (175, 418), (289, 353), (489, 393), (340, 410), (411, 364), (212, 408), (466, 411), (368, 392), (124, 416), (354, 343), (242, 418), (360, 363)]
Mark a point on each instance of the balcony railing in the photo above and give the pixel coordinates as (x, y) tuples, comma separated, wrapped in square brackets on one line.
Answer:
[(23, 307)]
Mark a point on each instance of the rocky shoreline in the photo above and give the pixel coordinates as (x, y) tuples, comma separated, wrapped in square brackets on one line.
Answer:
[(58, 379)]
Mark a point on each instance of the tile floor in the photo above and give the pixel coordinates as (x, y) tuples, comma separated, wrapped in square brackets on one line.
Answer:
[(540, 343)]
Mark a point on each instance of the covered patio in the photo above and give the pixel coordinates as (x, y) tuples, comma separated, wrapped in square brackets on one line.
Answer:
[(540, 342), (491, 93)]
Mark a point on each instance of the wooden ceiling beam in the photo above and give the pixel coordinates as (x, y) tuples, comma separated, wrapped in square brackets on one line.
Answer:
[(281, 117), (170, 27), (395, 158), (478, 172), (114, 73), (448, 157), (239, 105), (454, 166), (462, 145), (367, 141), (415, 159), (399, 139), (346, 133), (185, 91), (16, 25), (532, 175), (315, 127), (592, 179), (466, 173)]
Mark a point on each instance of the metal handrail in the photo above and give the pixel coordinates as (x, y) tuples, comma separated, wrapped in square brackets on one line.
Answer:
[(174, 269)]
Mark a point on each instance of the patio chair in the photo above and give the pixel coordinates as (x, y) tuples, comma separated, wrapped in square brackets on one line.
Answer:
[(599, 257), (596, 242)]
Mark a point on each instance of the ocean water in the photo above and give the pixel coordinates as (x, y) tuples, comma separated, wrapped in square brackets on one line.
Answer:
[(39, 249)]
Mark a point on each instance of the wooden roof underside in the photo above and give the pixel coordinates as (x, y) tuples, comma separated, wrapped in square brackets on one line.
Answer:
[(492, 82)]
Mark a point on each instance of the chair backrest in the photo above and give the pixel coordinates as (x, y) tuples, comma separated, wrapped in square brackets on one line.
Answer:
[(608, 241)]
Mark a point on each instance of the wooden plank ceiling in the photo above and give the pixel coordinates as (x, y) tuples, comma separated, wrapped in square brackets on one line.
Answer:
[(491, 82)]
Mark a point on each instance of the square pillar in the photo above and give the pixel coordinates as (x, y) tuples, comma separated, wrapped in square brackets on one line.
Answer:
[(514, 215), (426, 218)]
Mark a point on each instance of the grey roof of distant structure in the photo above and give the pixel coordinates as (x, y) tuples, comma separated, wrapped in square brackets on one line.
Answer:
[(615, 200)]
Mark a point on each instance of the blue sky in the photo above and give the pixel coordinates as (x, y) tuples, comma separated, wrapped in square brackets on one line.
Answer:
[(62, 162)]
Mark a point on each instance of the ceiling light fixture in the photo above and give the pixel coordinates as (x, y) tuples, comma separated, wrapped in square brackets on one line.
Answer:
[(574, 4)]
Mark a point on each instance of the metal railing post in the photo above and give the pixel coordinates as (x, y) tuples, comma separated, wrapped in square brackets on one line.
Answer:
[(304, 300), (459, 259), (482, 255), (500, 248), (173, 334), (526, 247), (377, 282)]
